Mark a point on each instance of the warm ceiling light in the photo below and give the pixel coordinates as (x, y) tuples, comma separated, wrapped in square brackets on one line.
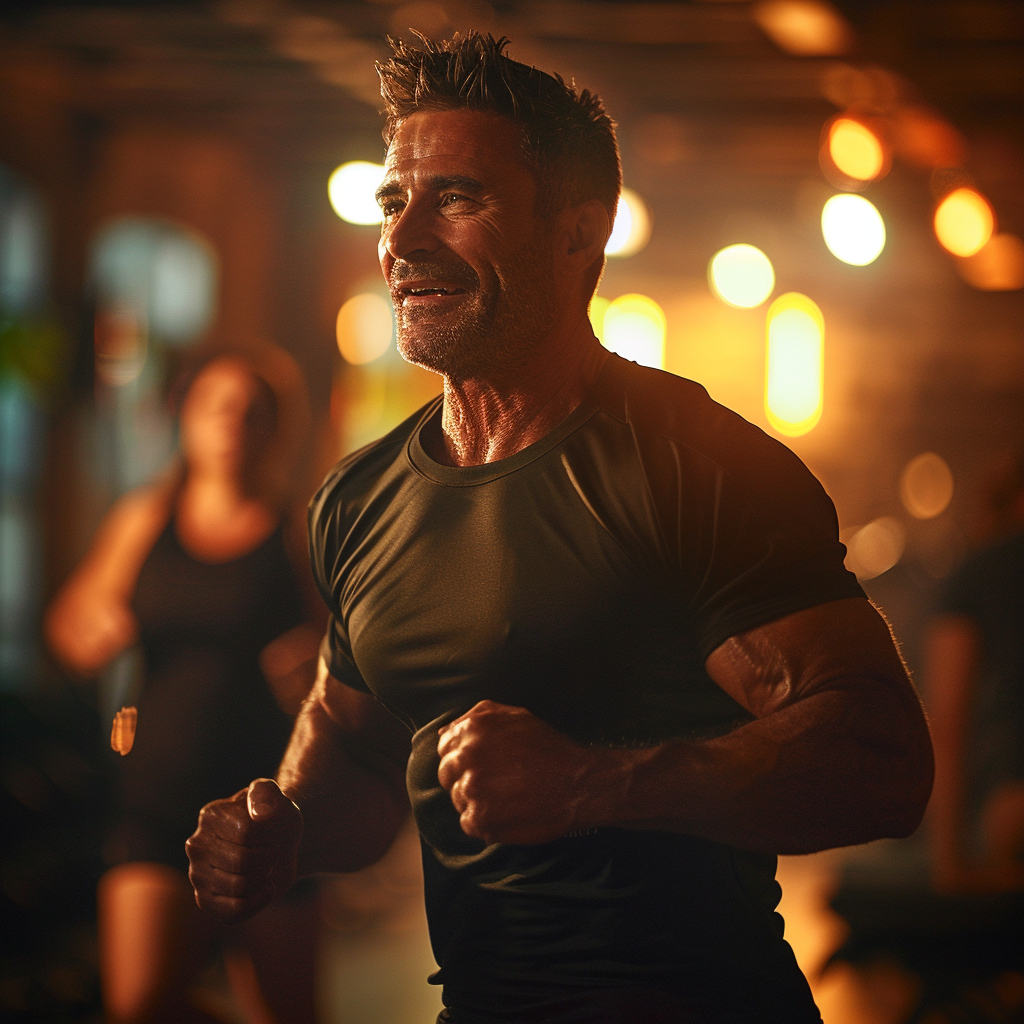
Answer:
[(998, 266), (598, 307), (351, 189), (364, 328), (634, 327), (853, 229), (926, 139), (926, 486), (964, 222), (632, 227), (855, 149), (806, 28), (875, 548), (741, 275), (794, 367)]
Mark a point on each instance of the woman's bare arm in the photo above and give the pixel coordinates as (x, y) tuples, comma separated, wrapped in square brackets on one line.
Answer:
[(90, 621)]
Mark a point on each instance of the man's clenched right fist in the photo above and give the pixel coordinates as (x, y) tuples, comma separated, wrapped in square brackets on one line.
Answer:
[(244, 851)]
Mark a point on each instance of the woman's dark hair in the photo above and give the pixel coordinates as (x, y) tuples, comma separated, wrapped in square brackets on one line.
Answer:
[(278, 419), (569, 139)]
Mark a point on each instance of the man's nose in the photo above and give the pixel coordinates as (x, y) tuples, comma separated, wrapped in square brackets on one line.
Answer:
[(410, 234)]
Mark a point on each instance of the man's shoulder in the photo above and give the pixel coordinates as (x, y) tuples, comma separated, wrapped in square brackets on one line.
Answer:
[(663, 408)]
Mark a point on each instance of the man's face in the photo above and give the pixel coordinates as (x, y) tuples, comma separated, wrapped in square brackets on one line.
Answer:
[(468, 264)]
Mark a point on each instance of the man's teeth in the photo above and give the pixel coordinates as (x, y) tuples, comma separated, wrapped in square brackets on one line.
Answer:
[(429, 291)]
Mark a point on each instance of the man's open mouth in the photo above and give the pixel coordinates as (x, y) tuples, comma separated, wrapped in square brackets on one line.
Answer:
[(425, 291)]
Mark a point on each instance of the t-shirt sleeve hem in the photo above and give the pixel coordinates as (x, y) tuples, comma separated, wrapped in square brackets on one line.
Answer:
[(753, 616), (339, 666)]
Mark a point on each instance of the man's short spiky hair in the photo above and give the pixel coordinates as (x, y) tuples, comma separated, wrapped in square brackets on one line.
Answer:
[(569, 139)]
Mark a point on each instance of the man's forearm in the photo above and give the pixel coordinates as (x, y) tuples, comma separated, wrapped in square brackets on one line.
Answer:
[(353, 802), (806, 778)]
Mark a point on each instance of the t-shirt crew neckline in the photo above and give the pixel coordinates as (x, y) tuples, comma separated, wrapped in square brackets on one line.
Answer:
[(468, 476)]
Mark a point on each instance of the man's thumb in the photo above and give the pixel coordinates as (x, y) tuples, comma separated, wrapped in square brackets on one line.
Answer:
[(264, 799)]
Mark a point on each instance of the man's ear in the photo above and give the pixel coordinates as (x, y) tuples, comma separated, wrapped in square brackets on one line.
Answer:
[(587, 228)]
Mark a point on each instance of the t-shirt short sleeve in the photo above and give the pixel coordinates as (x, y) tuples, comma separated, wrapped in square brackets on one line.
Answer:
[(752, 532), (324, 530), (776, 551), (337, 654)]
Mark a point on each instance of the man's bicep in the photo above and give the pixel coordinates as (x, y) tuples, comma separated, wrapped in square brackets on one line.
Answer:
[(828, 646), (364, 724)]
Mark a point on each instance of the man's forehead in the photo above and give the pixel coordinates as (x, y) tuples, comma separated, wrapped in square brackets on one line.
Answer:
[(460, 138)]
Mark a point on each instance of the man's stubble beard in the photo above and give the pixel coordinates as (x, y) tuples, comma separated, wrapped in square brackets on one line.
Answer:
[(487, 334)]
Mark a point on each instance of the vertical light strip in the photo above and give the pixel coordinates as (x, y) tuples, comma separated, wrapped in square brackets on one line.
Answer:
[(795, 364)]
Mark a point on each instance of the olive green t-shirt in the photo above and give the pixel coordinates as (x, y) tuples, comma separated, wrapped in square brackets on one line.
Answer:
[(586, 578)]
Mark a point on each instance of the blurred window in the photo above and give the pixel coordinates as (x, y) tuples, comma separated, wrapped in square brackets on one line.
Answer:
[(29, 350), (155, 289)]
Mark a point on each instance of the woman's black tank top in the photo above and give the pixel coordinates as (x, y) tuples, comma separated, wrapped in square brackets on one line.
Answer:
[(208, 722)]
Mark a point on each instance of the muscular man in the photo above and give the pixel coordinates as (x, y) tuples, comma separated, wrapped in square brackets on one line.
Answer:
[(613, 615)]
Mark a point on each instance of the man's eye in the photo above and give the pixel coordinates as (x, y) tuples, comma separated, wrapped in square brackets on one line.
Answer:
[(451, 197), (390, 208)]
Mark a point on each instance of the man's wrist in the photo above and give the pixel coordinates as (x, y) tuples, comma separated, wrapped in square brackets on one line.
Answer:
[(606, 787)]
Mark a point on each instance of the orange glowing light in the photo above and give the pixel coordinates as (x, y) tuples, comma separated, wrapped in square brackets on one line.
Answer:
[(875, 548), (364, 328), (926, 486), (998, 266), (855, 149), (805, 28), (964, 222), (794, 371)]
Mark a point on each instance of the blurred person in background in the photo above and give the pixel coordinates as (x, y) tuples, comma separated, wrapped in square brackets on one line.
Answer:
[(194, 569), (613, 615), (975, 684)]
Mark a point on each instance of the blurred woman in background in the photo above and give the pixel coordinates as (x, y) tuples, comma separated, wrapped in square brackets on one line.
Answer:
[(194, 569), (975, 684)]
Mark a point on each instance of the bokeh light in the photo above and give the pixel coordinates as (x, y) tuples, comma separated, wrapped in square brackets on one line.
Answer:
[(794, 368), (875, 548), (351, 188), (806, 28), (634, 327), (598, 307), (998, 266), (853, 229), (364, 328), (964, 222), (926, 486), (741, 275), (632, 227), (855, 149)]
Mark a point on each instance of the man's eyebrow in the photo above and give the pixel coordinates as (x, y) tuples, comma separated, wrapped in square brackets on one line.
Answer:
[(388, 190), (438, 182)]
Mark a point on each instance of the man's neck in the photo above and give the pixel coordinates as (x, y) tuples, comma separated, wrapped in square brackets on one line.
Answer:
[(486, 419)]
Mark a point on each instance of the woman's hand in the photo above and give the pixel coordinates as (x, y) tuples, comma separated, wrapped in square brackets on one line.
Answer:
[(86, 631)]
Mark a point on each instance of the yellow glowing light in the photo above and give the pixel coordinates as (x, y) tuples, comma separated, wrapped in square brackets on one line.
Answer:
[(926, 486), (351, 189), (794, 372), (855, 149), (741, 275), (364, 328), (964, 222), (853, 229), (598, 308), (632, 227), (634, 327), (998, 266), (875, 548)]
